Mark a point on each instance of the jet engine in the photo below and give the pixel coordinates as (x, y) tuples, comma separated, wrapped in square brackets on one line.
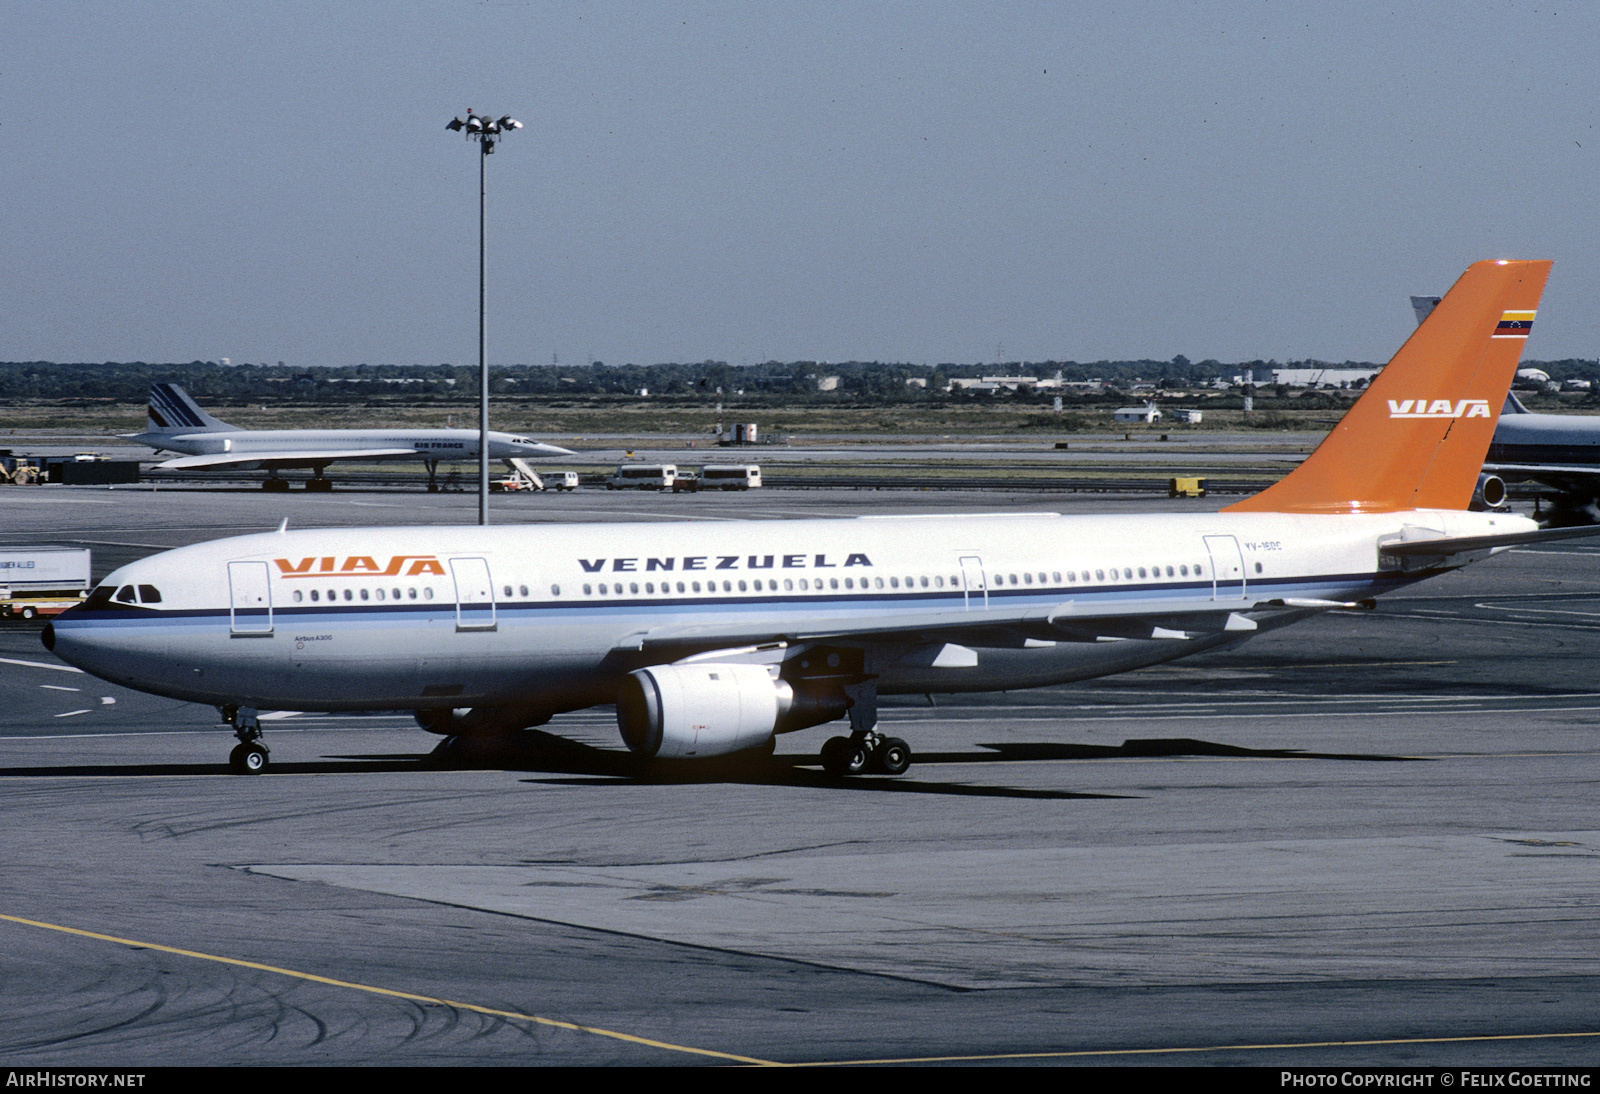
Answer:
[(698, 710), (1490, 493)]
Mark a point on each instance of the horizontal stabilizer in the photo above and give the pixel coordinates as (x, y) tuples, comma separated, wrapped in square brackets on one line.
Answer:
[(1447, 546)]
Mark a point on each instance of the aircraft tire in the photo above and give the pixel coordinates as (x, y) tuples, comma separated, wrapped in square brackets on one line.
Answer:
[(892, 757), (248, 759), (841, 757)]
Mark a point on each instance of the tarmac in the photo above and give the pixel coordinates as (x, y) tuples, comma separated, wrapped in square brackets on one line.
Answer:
[(1369, 838)]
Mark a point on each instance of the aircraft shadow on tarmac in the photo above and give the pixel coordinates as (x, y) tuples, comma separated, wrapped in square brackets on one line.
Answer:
[(586, 765)]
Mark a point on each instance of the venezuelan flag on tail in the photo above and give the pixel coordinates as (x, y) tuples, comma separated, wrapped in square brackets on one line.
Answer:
[(1417, 437)]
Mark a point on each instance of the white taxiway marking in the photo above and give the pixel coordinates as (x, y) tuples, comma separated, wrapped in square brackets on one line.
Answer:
[(70, 713), (108, 701), (39, 665), (59, 687)]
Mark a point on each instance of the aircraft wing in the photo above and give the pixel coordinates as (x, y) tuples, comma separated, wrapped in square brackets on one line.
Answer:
[(285, 458), (1067, 621)]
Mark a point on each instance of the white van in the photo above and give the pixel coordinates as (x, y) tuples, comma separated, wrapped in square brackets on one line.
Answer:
[(657, 476), (743, 477)]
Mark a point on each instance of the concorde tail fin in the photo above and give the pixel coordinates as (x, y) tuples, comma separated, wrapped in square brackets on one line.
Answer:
[(1417, 437), (172, 410)]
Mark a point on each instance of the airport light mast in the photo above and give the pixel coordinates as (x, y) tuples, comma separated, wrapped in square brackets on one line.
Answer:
[(486, 131)]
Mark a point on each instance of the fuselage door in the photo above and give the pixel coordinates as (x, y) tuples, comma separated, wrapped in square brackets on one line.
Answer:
[(974, 587), (1227, 568), (251, 598), (474, 594)]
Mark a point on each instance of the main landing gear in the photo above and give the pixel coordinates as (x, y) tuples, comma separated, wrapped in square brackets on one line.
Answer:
[(865, 754), (865, 751), (249, 756)]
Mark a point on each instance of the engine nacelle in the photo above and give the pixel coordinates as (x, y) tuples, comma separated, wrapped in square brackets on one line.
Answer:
[(1490, 493), (698, 710)]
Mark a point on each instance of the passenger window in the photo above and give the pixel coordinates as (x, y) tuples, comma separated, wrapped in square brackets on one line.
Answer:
[(411, 593), (741, 586), (508, 591), (1141, 571), (1027, 579), (299, 596), (365, 594), (348, 595), (315, 596), (524, 589), (833, 583), (1099, 575), (633, 587)]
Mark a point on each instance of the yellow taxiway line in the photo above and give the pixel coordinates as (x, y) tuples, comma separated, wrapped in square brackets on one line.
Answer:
[(413, 997)]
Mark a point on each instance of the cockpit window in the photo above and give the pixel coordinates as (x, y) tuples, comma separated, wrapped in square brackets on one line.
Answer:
[(100, 597), (149, 594), (125, 594)]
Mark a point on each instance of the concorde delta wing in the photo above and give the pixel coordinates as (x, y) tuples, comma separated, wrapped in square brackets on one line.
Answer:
[(294, 458)]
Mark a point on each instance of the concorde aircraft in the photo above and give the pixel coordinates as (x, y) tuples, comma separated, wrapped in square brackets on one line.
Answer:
[(177, 424), (710, 638)]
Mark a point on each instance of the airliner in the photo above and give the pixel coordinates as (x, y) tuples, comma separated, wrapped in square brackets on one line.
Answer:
[(711, 638), (178, 424), (1559, 450)]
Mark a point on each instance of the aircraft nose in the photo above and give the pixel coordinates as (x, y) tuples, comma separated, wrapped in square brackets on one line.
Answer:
[(550, 449)]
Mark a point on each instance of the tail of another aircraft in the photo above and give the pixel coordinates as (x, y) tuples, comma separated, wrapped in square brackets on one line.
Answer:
[(173, 411), (1417, 437)]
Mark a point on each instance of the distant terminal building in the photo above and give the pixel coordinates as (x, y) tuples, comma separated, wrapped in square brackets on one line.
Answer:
[(1323, 377), (1002, 383)]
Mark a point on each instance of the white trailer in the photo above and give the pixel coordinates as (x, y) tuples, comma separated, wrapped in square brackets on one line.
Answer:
[(42, 580)]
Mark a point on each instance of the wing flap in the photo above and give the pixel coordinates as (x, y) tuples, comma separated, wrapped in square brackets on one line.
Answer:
[(1068, 621)]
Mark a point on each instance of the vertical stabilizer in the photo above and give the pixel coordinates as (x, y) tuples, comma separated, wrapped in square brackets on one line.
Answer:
[(1417, 437), (171, 410)]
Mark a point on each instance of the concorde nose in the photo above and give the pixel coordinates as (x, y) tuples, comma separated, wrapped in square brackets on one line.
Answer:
[(541, 449)]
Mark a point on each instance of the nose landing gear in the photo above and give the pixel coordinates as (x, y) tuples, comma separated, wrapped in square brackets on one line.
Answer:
[(249, 756)]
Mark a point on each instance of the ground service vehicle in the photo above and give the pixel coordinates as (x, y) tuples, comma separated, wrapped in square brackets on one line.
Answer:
[(42, 580), (643, 477)]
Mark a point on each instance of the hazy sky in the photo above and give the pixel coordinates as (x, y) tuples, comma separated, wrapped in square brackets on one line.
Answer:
[(910, 182)]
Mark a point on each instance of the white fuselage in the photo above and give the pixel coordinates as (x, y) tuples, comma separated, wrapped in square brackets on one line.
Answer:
[(554, 616), (429, 444)]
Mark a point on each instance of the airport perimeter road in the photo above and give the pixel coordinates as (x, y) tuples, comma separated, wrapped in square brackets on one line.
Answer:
[(1369, 838)]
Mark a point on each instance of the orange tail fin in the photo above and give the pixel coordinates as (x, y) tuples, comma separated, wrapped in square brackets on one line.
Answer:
[(1417, 437)]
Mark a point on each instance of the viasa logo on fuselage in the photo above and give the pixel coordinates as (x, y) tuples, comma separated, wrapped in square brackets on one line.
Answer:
[(359, 566), (1438, 408)]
